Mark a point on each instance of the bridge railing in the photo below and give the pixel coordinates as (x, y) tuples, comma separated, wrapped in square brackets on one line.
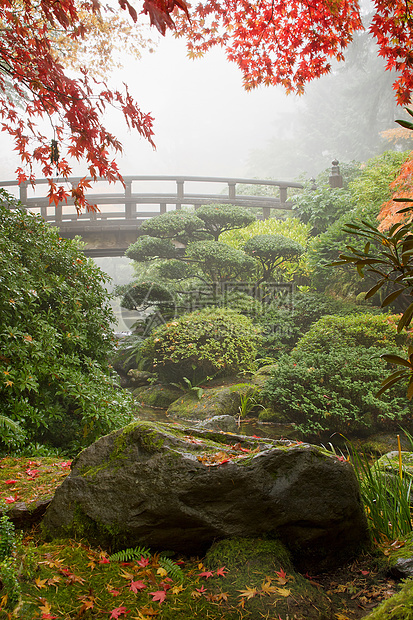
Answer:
[(132, 205)]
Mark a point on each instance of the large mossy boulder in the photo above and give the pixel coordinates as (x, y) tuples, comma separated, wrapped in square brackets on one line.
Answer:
[(171, 487)]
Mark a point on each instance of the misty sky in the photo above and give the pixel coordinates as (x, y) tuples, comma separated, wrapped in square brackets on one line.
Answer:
[(205, 123)]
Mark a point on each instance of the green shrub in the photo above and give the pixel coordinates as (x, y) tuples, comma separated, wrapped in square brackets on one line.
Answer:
[(335, 391), (365, 330), (330, 380), (7, 537), (55, 338), (210, 342), (284, 325)]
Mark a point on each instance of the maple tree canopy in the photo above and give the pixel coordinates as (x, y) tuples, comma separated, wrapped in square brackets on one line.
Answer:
[(288, 42)]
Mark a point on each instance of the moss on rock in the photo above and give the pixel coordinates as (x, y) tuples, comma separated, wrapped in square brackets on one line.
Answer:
[(264, 571), (158, 395), (222, 400)]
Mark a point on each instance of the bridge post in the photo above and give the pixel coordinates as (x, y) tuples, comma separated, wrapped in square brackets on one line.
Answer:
[(23, 192), (266, 213), (162, 207), (130, 207), (179, 194), (58, 214), (283, 193), (231, 190)]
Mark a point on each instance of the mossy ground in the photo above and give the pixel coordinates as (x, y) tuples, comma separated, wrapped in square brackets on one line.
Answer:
[(237, 579), (252, 579), (30, 479)]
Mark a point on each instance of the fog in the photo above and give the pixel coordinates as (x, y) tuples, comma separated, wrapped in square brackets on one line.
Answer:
[(206, 124)]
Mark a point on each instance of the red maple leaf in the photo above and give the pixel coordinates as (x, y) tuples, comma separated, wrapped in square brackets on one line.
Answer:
[(137, 586), (32, 473), (10, 481), (143, 562), (10, 499), (118, 611), (207, 574), (221, 571), (159, 595)]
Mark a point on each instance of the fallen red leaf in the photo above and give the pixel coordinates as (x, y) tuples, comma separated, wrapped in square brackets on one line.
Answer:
[(10, 481), (207, 574), (114, 592), (10, 499), (118, 611), (143, 562), (221, 571), (137, 586), (159, 595), (32, 473)]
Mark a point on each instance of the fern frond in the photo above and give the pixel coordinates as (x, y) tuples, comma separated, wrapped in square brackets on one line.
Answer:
[(174, 571), (130, 554)]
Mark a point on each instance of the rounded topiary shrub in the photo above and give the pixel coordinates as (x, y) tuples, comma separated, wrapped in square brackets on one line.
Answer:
[(336, 392), (211, 342), (353, 330)]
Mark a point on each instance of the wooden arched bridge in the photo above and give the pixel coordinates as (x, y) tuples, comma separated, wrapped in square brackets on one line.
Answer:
[(110, 230)]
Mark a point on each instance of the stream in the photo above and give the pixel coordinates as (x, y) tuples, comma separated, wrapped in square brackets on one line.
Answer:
[(380, 443)]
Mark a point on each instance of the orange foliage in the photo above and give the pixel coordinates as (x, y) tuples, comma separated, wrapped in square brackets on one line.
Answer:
[(403, 188)]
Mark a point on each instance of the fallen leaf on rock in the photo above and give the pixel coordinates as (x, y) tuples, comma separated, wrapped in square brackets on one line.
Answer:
[(207, 574), (88, 603), (161, 571), (45, 609), (283, 592), (40, 583), (267, 588), (143, 562), (10, 499), (282, 577)]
